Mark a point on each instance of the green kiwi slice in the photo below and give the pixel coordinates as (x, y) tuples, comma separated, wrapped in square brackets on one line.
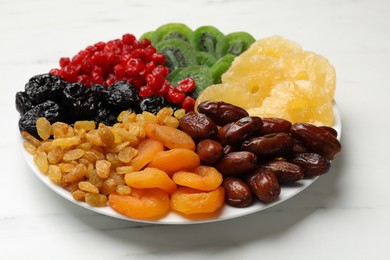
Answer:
[(234, 43), (205, 58), (205, 38), (199, 73), (177, 53), (221, 66), (146, 35), (171, 31)]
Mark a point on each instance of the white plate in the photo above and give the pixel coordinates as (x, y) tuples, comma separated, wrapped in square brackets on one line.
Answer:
[(227, 212)]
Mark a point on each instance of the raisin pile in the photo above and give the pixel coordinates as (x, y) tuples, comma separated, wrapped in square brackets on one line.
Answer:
[(50, 96)]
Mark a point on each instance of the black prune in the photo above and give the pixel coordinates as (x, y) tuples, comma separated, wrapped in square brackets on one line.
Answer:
[(49, 109), (122, 95), (80, 102), (106, 115), (153, 104), (44, 87), (22, 102)]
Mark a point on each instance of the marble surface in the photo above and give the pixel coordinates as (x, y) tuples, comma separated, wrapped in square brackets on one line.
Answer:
[(343, 215)]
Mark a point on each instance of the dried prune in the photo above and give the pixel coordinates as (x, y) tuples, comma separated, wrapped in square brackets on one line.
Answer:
[(49, 109), (80, 102), (123, 95), (106, 115), (44, 87), (153, 104), (22, 102)]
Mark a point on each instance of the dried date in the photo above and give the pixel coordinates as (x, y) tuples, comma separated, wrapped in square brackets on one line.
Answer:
[(198, 126), (264, 184), (316, 139), (275, 125), (313, 164), (237, 192), (222, 113), (235, 163), (285, 172), (236, 132), (269, 146)]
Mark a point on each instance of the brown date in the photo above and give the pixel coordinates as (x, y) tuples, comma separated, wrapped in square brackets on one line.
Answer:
[(198, 126), (236, 132), (235, 163), (330, 130), (275, 125), (221, 113), (316, 139), (237, 192), (298, 147), (285, 172), (269, 146), (264, 184), (313, 164), (209, 151)]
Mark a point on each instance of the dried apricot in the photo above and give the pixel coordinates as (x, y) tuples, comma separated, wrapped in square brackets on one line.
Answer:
[(191, 201), (204, 178), (141, 203), (169, 136), (150, 178), (175, 160), (147, 149)]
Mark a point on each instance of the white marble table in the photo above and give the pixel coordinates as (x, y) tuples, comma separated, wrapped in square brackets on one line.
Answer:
[(343, 215)]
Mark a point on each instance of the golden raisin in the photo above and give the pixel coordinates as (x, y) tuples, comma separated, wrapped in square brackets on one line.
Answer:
[(43, 128)]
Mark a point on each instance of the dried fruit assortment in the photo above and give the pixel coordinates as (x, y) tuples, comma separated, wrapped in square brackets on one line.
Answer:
[(176, 121)]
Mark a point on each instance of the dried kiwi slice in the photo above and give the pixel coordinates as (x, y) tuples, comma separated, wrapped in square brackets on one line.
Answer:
[(177, 53), (201, 74), (205, 58), (234, 43), (147, 35), (171, 31), (221, 66), (205, 39)]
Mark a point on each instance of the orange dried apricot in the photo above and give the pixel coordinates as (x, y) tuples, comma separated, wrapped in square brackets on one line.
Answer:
[(141, 203), (147, 149), (171, 161), (169, 136), (191, 201), (150, 178), (204, 178)]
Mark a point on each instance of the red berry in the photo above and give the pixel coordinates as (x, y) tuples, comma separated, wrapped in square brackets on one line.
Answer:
[(56, 72), (144, 43), (186, 85), (119, 71), (145, 91), (158, 58), (175, 96), (134, 66), (128, 39), (64, 62), (188, 104)]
